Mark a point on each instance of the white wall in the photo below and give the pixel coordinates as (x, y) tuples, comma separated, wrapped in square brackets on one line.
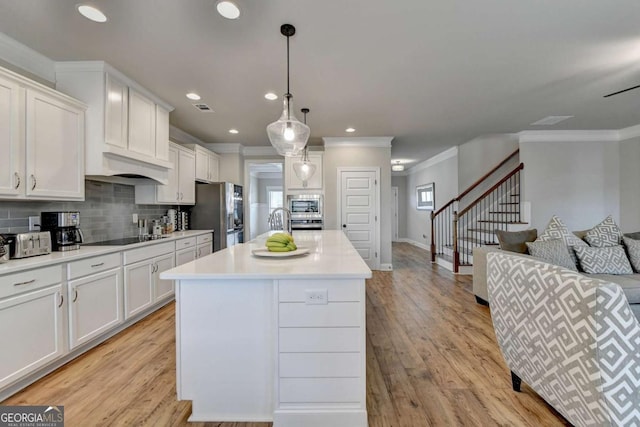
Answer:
[(444, 174), (578, 181), (480, 155), (335, 157), (231, 167), (630, 185), (400, 181)]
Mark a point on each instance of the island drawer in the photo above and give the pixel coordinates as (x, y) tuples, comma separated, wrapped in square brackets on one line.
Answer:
[(320, 390), (204, 238), (319, 365), (337, 290), (319, 339), (336, 314), (92, 265), (186, 243), (29, 280), (149, 251)]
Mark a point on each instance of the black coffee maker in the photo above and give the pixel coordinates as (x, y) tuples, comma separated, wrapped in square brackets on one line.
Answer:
[(63, 226)]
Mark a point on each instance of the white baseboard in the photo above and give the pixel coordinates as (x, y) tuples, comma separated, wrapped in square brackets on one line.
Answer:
[(386, 267), (414, 243)]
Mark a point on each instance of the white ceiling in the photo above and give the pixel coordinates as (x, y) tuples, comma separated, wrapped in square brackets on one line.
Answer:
[(433, 74)]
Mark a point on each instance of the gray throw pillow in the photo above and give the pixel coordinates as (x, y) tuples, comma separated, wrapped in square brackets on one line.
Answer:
[(556, 229), (634, 236), (633, 249), (514, 241), (604, 234), (607, 260), (552, 251)]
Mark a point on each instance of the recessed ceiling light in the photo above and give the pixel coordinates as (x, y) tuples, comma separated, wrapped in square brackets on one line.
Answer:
[(271, 96), (193, 96), (350, 130), (92, 13), (228, 9), (233, 131)]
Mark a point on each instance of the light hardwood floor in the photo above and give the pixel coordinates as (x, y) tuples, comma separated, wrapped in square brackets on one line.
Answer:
[(432, 360)]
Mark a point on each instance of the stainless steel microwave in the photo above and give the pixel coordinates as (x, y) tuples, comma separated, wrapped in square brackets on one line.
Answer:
[(305, 206)]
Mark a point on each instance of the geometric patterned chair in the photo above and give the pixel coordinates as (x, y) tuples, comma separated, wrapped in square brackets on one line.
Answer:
[(571, 338)]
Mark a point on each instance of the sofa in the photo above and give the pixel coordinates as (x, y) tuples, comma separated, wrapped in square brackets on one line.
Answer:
[(630, 283), (573, 339)]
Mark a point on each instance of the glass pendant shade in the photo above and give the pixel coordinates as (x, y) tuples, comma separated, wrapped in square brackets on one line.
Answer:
[(288, 135), (304, 169)]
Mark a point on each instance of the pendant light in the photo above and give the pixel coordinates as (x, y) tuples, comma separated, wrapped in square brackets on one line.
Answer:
[(304, 169), (288, 135)]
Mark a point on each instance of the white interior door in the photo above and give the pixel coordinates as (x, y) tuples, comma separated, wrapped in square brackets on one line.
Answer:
[(359, 212)]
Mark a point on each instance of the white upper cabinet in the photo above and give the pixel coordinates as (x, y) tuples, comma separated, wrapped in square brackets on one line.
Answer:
[(207, 164), (41, 140), (180, 189), (127, 126), (292, 182), (116, 112), (142, 124), (11, 139)]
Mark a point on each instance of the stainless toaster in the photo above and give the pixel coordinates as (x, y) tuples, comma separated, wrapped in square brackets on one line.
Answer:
[(22, 245)]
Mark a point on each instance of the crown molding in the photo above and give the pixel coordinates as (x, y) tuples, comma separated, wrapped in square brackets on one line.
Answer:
[(178, 135), (441, 157), (22, 56), (630, 132), (372, 142), (259, 151), (569, 136), (226, 148)]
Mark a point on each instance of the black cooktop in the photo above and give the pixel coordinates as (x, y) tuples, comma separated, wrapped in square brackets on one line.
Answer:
[(118, 242)]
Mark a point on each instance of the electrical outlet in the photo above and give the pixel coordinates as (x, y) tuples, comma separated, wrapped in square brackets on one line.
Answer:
[(34, 223), (316, 296), (135, 218)]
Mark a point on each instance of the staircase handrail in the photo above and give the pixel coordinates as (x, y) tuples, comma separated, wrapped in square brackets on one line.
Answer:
[(490, 190), (475, 184)]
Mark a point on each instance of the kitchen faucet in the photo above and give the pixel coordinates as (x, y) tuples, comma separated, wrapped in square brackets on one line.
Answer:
[(275, 222)]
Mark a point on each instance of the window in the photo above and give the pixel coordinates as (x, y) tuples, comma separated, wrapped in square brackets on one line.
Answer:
[(276, 198)]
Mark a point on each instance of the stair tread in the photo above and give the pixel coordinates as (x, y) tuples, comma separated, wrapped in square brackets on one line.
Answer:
[(504, 212), (468, 251), (482, 230), (509, 203), (478, 242)]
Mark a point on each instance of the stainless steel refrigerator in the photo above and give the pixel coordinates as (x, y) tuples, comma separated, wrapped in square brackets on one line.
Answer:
[(219, 207)]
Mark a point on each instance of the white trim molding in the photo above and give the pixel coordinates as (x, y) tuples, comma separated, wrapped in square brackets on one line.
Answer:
[(360, 141), (630, 132), (178, 135), (441, 157), (226, 148), (22, 56), (386, 267), (569, 136), (261, 150), (414, 243)]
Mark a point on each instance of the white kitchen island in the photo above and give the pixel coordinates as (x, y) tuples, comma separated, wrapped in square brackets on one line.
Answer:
[(274, 339)]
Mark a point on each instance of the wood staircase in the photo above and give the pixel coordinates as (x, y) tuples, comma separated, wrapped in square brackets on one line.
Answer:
[(463, 224)]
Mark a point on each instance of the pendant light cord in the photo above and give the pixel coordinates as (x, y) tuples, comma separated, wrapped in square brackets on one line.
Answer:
[(288, 93)]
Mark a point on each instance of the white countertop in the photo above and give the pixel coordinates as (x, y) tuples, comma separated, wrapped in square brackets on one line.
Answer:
[(87, 251), (331, 256)]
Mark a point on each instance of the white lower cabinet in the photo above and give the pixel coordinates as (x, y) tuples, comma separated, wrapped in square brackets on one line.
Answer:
[(163, 288), (142, 283), (184, 256), (32, 331), (204, 250), (95, 305)]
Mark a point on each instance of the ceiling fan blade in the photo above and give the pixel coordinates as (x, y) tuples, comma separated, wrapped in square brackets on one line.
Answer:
[(622, 91)]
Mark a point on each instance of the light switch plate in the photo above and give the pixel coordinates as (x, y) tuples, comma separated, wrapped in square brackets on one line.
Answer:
[(34, 223), (316, 296)]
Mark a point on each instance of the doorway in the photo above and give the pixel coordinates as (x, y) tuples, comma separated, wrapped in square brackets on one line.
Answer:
[(264, 182), (359, 210)]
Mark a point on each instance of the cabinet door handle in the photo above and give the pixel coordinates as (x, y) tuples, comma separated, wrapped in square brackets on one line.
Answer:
[(17, 180), (61, 300), (75, 295), (199, 253), (181, 196), (24, 283), (177, 196), (97, 265), (34, 180), (155, 268)]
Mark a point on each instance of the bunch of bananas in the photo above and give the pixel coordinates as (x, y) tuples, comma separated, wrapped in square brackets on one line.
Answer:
[(281, 242)]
